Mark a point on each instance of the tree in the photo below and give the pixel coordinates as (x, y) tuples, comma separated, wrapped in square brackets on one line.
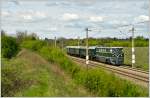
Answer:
[(34, 36), (21, 36), (9, 47), (2, 33)]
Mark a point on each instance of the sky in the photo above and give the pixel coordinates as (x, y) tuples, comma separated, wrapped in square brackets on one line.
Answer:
[(69, 18)]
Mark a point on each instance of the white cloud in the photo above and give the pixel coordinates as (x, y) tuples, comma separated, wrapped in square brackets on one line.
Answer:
[(30, 15), (40, 14), (27, 17), (53, 29), (141, 18), (96, 19), (5, 13), (118, 22), (70, 16)]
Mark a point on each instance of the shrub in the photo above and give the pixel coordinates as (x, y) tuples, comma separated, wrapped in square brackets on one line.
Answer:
[(33, 44), (9, 47), (55, 55), (105, 84)]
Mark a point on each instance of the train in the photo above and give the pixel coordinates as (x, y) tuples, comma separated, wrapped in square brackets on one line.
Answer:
[(109, 55)]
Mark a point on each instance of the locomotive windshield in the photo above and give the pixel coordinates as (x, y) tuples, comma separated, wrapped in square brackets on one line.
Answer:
[(117, 52)]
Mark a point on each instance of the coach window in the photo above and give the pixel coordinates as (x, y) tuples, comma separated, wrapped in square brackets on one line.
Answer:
[(103, 50), (100, 50), (97, 50), (107, 50)]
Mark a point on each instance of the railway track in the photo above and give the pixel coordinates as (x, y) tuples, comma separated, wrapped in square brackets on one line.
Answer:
[(137, 75), (134, 69)]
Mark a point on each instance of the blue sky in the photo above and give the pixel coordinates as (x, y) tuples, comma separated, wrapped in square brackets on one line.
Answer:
[(69, 18)]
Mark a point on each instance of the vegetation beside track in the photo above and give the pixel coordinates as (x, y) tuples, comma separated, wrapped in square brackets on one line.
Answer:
[(25, 72), (95, 80)]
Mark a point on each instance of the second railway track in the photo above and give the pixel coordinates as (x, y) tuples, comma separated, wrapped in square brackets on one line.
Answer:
[(137, 75)]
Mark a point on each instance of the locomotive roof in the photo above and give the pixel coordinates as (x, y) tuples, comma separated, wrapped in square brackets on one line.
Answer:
[(109, 47), (90, 47)]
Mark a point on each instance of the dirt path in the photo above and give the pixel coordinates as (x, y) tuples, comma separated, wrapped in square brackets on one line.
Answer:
[(35, 58)]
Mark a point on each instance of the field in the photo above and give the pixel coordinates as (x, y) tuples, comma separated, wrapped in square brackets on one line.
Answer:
[(141, 57)]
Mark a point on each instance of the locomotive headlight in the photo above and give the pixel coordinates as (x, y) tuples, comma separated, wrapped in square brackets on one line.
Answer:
[(110, 50)]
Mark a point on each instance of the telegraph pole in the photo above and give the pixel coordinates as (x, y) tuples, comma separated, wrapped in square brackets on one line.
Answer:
[(133, 50), (55, 42), (87, 54)]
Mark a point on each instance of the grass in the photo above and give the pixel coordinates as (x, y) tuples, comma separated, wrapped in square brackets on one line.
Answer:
[(99, 81), (141, 57), (30, 75)]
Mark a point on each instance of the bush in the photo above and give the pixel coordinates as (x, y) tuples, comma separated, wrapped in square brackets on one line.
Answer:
[(9, 47), (105, 84), (55, 55), (33, 44)]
